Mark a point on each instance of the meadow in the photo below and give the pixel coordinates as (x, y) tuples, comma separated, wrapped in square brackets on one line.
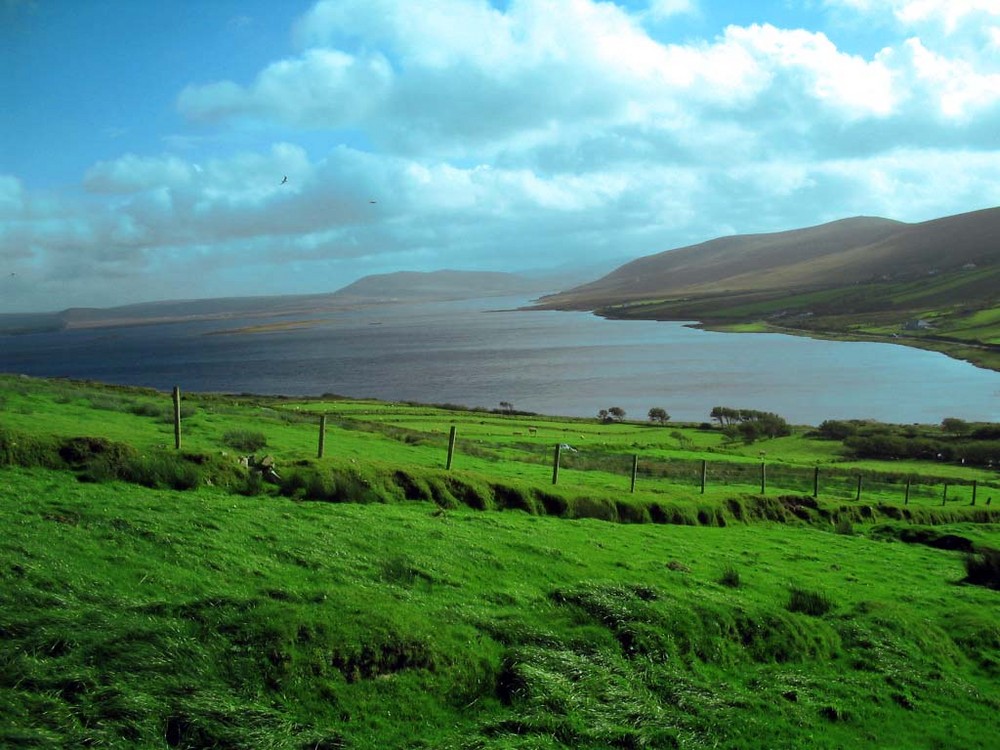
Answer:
[(372, 598)]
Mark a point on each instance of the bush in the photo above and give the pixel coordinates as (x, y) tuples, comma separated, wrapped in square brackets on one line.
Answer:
[(812, 603), (245, 440), (834, 429)]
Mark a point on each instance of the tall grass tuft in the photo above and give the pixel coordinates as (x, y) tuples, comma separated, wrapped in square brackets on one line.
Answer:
[(813, 603), (245, 440), (730, 577)]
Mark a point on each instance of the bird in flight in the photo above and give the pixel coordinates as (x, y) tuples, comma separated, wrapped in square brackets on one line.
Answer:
[(284, 180), (373, 201)]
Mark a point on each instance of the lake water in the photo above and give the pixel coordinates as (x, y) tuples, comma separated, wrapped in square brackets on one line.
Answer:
[(550, 362)]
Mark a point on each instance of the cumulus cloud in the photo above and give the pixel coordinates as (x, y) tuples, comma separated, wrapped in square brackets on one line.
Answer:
[(131, 173), (535, 73), (660, 9), (947, 14), (955, 85), (545, 131), (322, 88)]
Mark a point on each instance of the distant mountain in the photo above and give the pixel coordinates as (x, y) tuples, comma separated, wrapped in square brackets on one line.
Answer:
[(370, 290), (412, 286), (837, 254)]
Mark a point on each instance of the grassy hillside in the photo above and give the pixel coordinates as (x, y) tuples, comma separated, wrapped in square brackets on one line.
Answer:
[(481, 607), (932, 285)]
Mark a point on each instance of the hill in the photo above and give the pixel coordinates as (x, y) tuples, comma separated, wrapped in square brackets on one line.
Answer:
[(369, 290), (934, 284), (411, 286)]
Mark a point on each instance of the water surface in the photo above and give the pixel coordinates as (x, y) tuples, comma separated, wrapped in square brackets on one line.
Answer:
[(550, 362)]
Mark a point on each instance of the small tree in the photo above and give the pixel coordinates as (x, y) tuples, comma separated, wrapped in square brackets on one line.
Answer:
[(617, 413), (603, 415), (506, 406), (656, 414), (954, 426)]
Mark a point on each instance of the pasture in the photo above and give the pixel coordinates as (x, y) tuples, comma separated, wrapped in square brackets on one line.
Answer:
[(481, 607)]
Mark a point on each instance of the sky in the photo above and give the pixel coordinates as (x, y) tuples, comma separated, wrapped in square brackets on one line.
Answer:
[(144, 145)]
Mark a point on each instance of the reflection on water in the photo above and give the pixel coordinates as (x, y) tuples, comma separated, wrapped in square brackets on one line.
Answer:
[(549, 362)]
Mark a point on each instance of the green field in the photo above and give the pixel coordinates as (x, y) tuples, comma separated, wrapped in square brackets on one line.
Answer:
[(372, 598)]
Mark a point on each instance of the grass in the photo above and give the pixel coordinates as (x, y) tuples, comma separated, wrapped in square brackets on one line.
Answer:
[(146, 618), (478, 608)]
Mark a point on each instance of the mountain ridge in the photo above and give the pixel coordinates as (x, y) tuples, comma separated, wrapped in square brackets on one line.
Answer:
[(933, 284), (389, 288), (846, 251)]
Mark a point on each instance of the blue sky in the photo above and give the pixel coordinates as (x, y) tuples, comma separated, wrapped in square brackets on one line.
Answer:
[(144, 143)]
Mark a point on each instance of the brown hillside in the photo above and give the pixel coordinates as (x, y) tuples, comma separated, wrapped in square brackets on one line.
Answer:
[(830, 255)]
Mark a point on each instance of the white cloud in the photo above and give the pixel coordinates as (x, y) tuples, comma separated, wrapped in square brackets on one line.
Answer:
[(946, 14), (660, 9), (957, 87), (462, 79), (505, 138), (11, 196), (848, 83), (131, 173), (323, 88)]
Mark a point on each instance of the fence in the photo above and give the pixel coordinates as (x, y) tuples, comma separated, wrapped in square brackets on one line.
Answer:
[(701, 474)]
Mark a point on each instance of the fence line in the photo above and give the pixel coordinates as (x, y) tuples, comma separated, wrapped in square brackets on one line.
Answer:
[(777, 477)]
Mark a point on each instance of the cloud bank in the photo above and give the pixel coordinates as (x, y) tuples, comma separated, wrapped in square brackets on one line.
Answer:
[(543, 133)]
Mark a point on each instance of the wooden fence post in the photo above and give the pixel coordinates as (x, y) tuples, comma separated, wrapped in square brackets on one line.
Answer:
[(763, 478), (974, 487), (177, 417), (859, 488), (322, 436), (906, 497), (816, 482), (635, 470), (555, 464), (451, 446), (704, 474)]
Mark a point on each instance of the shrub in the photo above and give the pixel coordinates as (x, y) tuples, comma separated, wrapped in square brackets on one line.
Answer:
[(807, 602), (245, 440), (834, 429), (954, 425)]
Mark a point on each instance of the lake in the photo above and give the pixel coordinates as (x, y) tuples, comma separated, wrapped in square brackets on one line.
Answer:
[(562, 363)]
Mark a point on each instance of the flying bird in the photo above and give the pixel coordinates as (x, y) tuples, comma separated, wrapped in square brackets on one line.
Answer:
[(284, 180), (373, 201)]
